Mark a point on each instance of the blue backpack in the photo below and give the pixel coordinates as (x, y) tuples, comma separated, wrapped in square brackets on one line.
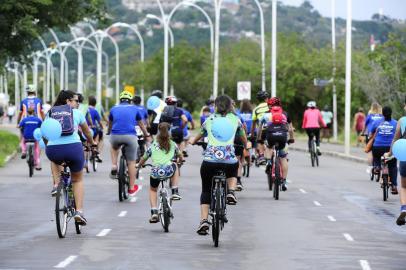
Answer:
[(64, 115)]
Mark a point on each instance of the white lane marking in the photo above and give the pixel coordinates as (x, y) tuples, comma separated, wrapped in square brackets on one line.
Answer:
[(133, 199), (122, 214), (317, 203), (331, 218), (103, 232), (303, 191), (364, 264), (348, 237), (66, 262)]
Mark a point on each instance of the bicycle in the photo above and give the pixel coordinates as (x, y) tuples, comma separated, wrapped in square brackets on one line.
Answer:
[(90, 155), (314, 157), (30, 160), (274, 173), (247, 161), (218, 204), (123, 177), (65, 205), (165, 202), (386, 182)]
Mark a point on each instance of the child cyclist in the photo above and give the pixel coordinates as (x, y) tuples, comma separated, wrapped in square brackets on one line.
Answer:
[(162, 152), (27, 126)]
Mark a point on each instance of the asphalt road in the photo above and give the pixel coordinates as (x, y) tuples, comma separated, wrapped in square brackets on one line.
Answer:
[(332, 217)]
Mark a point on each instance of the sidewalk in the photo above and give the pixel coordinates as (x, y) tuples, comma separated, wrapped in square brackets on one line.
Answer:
[(357, 154)]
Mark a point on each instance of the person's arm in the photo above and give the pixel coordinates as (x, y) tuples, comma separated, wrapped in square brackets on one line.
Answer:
[(110, 123), (321, 121), (354, 126), (304, 122), (184, 121), (193, 124), (86, 131), (395, 138)]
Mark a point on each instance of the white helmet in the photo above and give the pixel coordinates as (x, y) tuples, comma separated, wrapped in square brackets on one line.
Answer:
[(30, 88), (311, 104)]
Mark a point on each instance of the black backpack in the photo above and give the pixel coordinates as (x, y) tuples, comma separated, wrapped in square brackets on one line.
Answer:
[(168, 114), (64, 115)]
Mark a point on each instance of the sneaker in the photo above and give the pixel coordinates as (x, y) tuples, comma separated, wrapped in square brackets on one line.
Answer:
[(38, 168), (284, 185), (261, 160), (132, 192), (98, 159), (54, 191), (268, 166), (23, 155), (394, 190), (185, 154), (175, 195), (154, 216), (79, 218), (318, 151), (231, 199), (203, 228), (113, 174), (401, 219), (239, 186)]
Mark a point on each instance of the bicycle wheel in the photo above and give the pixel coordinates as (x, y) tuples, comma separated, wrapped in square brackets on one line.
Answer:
[(121, 180), (61, 210), (244, 169), (277, 179), (78, 227), (94, 163), (217, 216), (269, 177), (247, 172), (385, 187), (30, 161), (165, 214)]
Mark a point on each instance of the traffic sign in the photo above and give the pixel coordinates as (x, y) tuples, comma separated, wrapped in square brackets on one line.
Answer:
[(244, 90)]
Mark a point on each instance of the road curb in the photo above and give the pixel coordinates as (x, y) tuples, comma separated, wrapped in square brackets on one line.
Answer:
[(10, 157), (333, 154)]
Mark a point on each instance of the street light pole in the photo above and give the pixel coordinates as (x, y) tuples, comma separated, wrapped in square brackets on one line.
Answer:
[(261, 16), (217, 7), (333, 44), (274, 12), (347, 126)]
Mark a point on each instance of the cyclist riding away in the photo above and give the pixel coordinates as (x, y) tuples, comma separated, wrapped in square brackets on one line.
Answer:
[(95, 123), (312, 120), (144, 114), (122, 121), (186, 134), (218, 156), (162, 152), (155, 115), (27, 126), (277, 128), (68, 148), (257, 114)]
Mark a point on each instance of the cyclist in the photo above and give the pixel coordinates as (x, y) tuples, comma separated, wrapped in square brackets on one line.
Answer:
[(219, 155), (162, 152), (239, 149), (312, 120), (122, 121), (278, 128), (144, 114), (68, 148), (257, 114), (385, 132), (95, 123), (374, 115), (155, 115), (190, 120), (27, 126)]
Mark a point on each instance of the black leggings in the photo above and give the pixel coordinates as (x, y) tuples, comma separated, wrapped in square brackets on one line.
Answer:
[(313, 132), (208, 170), (377, 153)]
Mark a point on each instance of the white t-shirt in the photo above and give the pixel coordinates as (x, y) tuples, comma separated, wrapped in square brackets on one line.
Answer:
[(11, 110), (46, 107)]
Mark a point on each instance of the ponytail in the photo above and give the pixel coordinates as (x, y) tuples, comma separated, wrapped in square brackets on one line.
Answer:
[(163, 136)]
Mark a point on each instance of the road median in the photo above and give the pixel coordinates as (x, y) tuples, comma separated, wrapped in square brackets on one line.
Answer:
[(8, 146)]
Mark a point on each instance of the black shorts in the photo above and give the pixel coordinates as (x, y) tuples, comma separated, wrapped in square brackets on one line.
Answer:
[(238, 147), (100, 134), (263, 137), (153, 129), (279, 140), (177, 135)]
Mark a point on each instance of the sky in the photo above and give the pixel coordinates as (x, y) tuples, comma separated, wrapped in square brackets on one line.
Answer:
[(361, 9)]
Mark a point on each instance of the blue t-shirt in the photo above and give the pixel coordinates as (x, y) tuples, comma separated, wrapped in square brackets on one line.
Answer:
[(177, 118), (371, 120), (247, 119), (124, 118), (189, 119), (28, 125), (385, 132), (78, 119), (95, 116), (31, 102), (143, 112), (402, 122)]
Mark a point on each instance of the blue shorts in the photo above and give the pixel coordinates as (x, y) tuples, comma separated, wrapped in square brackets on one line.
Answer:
[(402, 168), (71, 154)]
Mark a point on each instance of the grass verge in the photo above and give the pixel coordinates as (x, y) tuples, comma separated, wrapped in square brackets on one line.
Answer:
[(8, 144)]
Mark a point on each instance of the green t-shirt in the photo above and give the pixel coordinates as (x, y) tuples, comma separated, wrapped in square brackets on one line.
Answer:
[(159, 156)]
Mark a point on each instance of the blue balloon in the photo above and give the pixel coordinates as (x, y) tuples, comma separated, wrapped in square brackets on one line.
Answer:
[(37, 134), (222, 129), (399, 149), (51, 129), (42, 144), (153, 103)]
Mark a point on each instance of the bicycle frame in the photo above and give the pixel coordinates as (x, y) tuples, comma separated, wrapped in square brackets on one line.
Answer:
[(218, 209)]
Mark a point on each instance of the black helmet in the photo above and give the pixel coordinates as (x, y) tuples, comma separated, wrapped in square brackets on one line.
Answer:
[(157, 93), (262, 95), (136, 100), (180, 103)]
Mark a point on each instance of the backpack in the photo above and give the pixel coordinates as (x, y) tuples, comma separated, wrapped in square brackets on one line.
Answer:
[(278, 120), (64, 115), (168, 114)]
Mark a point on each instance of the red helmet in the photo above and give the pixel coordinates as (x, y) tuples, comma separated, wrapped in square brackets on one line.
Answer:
[(171, 100), (275, 101)]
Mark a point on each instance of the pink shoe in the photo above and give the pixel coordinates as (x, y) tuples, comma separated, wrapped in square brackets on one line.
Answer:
[(133, 191)]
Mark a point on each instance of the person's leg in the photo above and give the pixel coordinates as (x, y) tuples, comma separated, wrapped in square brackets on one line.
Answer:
[(174, 182), (309, 138), (23, 147), (402, 194), (393, 175), (37, 153), (284, 165), (131, 172), (153, 197), (206, 174), (78, 190), (114, 150), (317, 134)]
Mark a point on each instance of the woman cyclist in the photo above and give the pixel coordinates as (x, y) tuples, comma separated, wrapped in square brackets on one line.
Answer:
[(312, 120), (162, 152), (219, 155), (374, 115), (69, 150)]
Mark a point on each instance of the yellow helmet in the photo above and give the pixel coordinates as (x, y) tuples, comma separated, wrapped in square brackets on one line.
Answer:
[(126, 95)]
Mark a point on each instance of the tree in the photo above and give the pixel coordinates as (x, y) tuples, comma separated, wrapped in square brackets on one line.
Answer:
[(21, 21)]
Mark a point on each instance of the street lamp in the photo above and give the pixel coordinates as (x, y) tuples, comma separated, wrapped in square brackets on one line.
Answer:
[(333, 45), (347, 125), (273, 71)]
